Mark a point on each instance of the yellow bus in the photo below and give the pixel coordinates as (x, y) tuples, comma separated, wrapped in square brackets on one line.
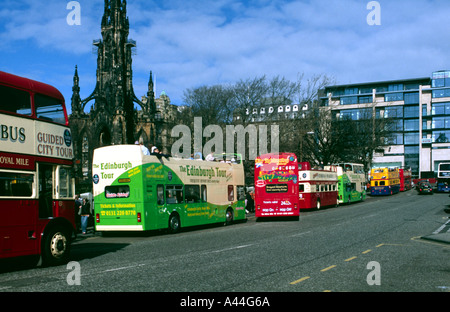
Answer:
[(384, 181)]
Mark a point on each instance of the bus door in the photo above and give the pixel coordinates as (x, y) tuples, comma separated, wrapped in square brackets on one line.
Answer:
[(175, 201), (45, 188), (161, 209)]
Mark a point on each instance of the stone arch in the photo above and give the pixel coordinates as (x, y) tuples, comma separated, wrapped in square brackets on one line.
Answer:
[(104, 136)]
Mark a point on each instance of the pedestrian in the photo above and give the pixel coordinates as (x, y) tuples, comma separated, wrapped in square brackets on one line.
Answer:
[(78, 204), (85, 210), (144, 149), (250, 202)]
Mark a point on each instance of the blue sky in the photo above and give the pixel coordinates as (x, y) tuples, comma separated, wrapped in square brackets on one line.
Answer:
[(192, 43)]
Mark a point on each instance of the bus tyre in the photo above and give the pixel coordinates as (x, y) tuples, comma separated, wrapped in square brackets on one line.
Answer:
[(229, 217), (174, 223), (55, 247)]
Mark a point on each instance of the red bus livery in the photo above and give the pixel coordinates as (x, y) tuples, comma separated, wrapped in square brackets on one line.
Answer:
[(36, 184), (276, 185), (405, 179), (317, 188)]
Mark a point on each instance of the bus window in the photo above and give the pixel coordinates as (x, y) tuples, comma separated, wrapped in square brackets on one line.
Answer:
[(160, 194), (301, 188), (117, 191), (230, 193), (204, 197), (65, 182), (192, 193), (382, 183), (240, 192), (15, 101), (16, 184), (50, 109), (174, 194)]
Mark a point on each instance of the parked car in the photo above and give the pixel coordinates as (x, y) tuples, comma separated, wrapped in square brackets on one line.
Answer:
[(424, 188)]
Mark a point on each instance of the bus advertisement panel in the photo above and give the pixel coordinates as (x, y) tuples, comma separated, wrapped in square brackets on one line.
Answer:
[(405, 179), (36, 179), (384, 181), (351, 182), (136, 192), (317, 188), (276, 185), (443, 178)]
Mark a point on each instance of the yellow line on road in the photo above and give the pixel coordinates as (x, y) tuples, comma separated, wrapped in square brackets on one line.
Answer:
[(300, 280), (367, 251), (350, 259), (329, 268)]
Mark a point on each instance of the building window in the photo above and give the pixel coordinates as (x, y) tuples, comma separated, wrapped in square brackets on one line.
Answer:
[(365, 99), (412, 138), (441, 93), (394, 139), (351, 91), (441, 136), (411, 98), (356, 114), (440, 79), (411, 125), (393, 112), (440, 123), (411, 112), (395, 87), (349, 100), (440, 109), (391, 97)]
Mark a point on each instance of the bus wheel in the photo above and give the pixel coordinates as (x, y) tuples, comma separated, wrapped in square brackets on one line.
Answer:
[(56, 247), (318, 204), (174, 223), (229, 216)]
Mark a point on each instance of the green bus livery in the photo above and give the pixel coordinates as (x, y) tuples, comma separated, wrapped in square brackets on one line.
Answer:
[(351, 182), (137, 192)]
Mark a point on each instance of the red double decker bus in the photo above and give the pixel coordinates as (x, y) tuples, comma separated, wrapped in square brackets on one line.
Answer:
[(36, 171), (276, 185), (317, 188), (405, 179)]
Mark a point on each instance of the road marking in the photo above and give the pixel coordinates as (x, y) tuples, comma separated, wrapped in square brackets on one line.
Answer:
[(231, 248), (350, 259), (300, 280), (329, 268), (441, 228), (124, 268), (379, 245), (300, 234), (367, 251)]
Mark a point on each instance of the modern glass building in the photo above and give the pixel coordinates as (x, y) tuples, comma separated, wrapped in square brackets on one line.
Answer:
[(420, 109)]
